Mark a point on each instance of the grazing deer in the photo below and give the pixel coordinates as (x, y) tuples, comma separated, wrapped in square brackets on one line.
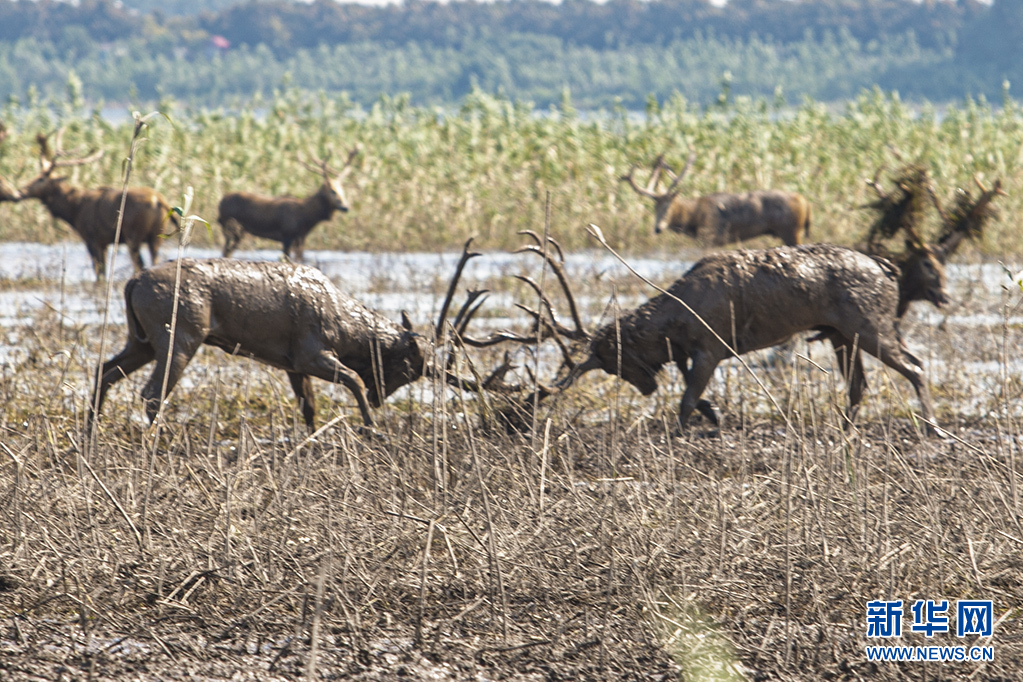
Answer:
[(284, 219), (735, 302), (92, 214), (289, 316), (725, 217)]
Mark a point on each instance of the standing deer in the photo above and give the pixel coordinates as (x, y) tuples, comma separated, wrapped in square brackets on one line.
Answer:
[(289, 316), (284, 219), (747, 300), (92, 214), (725, 217)]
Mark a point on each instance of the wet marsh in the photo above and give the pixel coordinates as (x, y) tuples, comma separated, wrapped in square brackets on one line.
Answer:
[(593, 545)]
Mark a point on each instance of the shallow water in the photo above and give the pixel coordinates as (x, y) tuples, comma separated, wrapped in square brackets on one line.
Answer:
[(961, 345)]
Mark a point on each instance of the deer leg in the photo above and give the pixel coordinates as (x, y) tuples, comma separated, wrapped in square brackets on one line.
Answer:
[(233, 234), (704, 407), (298, 246), (697, 378), (184, 349), (852, 370), (99, 260), (327, 367), (303, 387), (154, 248), (908, 365), (135, 250), (134, 356)]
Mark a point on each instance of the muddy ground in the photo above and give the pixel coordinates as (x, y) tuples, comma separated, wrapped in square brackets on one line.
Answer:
[(592, 545)]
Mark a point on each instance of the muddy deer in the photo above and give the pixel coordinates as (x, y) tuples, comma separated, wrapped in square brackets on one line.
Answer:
[(288, 316), (735, 302), (724, 217), (285, 219), (92, 213)]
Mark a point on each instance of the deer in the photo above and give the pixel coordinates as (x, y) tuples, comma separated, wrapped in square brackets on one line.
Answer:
[(732, 303), (286, 315), (725, 217), (285, 219), (92, 213)]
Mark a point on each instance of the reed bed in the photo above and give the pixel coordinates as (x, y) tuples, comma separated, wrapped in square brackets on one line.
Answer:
[(428, 177), (592, 545)]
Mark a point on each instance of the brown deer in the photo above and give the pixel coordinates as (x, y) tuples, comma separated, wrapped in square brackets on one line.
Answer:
[(92, 214), (289, 316), (735, 302), (284, 219), (724, 217)]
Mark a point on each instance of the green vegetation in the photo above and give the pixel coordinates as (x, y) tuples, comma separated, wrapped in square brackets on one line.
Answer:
[(619, 51), (428, 178), (521, 66)]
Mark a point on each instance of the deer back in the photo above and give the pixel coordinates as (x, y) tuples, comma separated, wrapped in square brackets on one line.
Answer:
[(731, 218), (766, 296)]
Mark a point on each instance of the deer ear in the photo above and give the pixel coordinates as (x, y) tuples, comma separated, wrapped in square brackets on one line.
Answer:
[(405, 322)]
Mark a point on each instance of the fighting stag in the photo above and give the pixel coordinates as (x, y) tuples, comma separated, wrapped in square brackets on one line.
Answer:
[(724, 217), (736, 302), (288, 316), (285, 219), (92, 214)]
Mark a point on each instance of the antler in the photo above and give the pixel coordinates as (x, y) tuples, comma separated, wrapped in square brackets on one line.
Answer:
[(678, 178), (967, 217), (655, 176), (49, 160), (322, 166)]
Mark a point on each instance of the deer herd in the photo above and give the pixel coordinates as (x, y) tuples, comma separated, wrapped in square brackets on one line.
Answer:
[(730, 303)]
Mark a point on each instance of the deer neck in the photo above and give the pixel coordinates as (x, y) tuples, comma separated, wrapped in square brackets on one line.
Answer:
[(680, 215), (62, 199), (317, 207)]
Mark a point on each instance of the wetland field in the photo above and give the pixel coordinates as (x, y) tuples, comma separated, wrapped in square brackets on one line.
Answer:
[(591, 544)]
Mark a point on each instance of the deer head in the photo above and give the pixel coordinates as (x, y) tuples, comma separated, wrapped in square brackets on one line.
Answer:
[(49, 161), (331, 188), (662, 202)]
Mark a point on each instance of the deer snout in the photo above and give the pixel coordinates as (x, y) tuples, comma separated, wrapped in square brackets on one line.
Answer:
[(939, 298)]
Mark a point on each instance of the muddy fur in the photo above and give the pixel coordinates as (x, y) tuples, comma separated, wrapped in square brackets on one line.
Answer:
[(288, 316), (758, 299)]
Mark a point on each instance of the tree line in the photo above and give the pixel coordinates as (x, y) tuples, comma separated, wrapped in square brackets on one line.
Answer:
[(618, 51), (289, 26)]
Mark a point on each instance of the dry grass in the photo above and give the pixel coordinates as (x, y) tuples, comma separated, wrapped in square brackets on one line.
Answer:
[(595, 547)]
